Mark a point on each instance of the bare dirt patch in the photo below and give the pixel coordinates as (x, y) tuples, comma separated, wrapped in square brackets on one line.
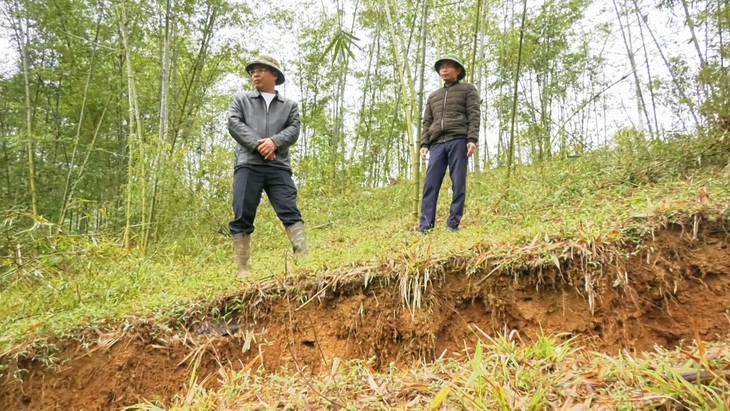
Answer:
[(677, 286)]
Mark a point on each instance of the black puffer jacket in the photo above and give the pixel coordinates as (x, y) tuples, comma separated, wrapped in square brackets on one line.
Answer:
[(451, 112)]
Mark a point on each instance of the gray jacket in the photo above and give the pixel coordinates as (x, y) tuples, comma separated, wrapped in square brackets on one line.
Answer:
[(249, 121)]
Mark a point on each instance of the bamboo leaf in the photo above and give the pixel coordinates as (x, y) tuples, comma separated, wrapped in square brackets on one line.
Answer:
[(439, 399)]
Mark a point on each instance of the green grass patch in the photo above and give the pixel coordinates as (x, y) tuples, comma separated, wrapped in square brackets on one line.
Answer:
[(610, 196)]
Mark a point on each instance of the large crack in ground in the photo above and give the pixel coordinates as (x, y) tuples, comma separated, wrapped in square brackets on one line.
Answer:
[(678, 287)]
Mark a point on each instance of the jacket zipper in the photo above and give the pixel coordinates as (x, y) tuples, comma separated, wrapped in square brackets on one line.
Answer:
[(443, 111), (267, 116)]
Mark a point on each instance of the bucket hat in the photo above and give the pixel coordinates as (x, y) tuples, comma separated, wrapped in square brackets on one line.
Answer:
[(270, 62), (453, 58)]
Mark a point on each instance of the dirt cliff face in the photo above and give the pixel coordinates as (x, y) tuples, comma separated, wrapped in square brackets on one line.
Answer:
[(676, 286)]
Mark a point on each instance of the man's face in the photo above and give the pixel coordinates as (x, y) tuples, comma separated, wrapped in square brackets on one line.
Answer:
[(449, 71), (264, 78)]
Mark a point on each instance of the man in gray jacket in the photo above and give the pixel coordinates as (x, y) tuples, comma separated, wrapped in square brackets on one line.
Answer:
[(450, 133), (265, 125)]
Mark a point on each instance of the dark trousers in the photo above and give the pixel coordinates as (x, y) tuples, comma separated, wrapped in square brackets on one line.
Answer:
[(248, 185), (451, 154)]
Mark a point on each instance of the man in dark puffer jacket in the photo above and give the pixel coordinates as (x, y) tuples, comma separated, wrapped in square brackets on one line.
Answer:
[(450, 132)]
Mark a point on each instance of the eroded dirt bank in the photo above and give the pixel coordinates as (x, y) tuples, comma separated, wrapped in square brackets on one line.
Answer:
[(677, 285)]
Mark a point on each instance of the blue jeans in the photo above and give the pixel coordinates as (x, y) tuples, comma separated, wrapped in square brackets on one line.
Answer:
[(451, 154), (248, 185)]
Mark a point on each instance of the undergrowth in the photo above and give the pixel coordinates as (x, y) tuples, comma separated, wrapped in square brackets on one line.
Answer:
[(500, 373)]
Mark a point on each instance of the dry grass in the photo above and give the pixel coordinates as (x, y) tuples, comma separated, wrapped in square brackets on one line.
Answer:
[(501, 373)]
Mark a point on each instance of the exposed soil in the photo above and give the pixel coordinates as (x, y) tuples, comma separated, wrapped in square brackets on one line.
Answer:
[(678, 287)]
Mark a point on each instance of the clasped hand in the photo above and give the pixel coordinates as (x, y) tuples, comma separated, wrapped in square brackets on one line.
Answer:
[(267, 148)]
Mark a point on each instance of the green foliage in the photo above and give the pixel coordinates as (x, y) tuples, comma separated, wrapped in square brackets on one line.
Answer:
[(341, 46), (556, 58), (80, 109), (715, 108)]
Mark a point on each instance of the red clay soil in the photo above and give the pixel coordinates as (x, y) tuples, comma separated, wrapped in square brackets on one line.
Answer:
[(677, 286)]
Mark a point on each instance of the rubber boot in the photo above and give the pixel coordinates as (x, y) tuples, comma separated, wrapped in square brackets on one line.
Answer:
[(242, 254), (298, 240)]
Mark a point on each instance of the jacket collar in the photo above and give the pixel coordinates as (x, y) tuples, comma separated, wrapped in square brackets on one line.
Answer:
[(447, 85), (257, 94)]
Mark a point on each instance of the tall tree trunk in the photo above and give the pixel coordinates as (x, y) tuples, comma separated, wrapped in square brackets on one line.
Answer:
[(339, 115), (163, 128), (90, 150), (419, 121), (511, 152), (719, 31), (66, 191), (370, 159), (502, 143), (473, 56), (361, 116), (691, 26), (482, 87), (473, 62), (304, 140), (473, 78), (22, 38), (8, 193), (337, 130), (675, 81), (394, 122), (187, 108), (641, 106), (407, 84), (648, 73), (134, 128)]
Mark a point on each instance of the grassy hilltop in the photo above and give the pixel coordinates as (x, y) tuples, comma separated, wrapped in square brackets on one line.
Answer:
[(599, 207)]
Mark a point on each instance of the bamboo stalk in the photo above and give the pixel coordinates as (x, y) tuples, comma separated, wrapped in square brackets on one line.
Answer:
[(66, 191), (133, 125), (22, 38), (407, 84), (641, 105), (511, 153), (675, 81)]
